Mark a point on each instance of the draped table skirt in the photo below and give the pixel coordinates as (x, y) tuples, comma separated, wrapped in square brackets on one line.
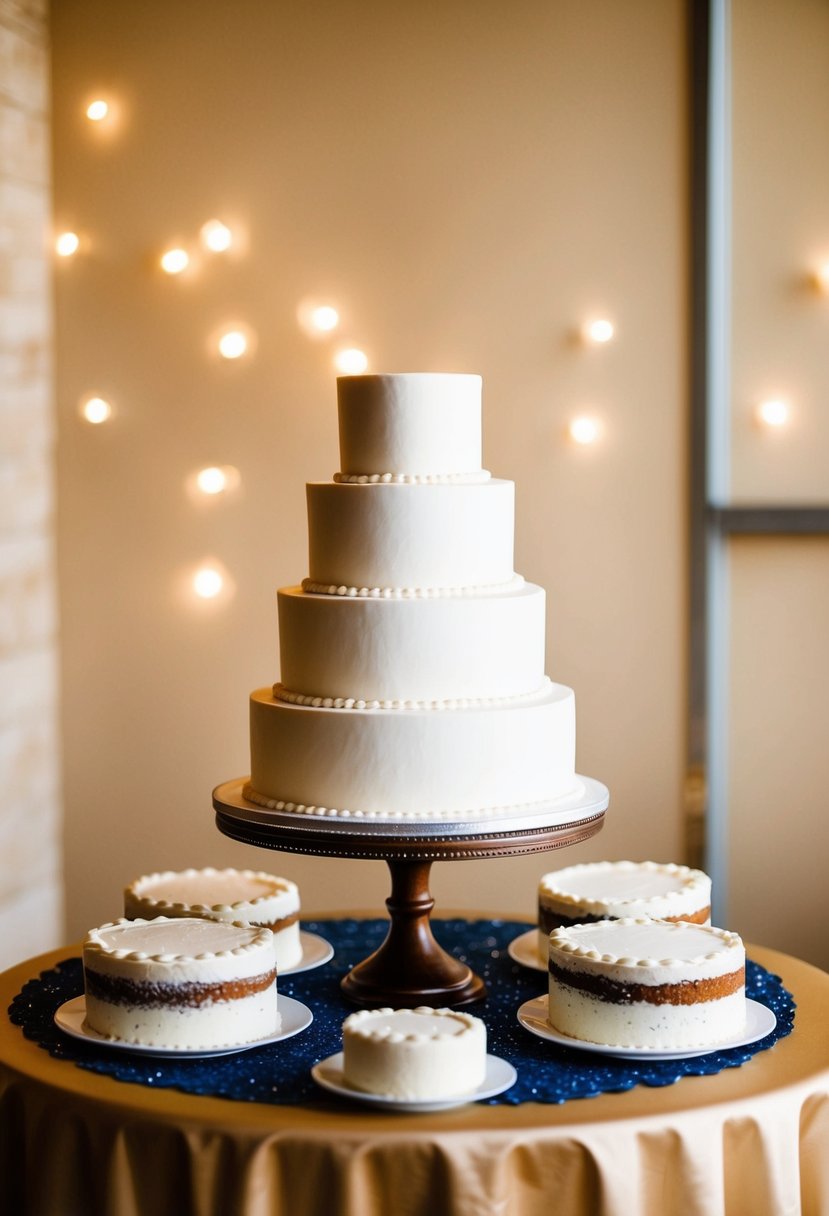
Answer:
[(752, 1139)]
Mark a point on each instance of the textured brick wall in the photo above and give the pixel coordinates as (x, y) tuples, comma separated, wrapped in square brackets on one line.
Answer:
[(30, 827)]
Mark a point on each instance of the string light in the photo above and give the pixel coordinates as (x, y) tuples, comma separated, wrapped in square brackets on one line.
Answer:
[(351, 362), (175, 260), (773, 413), (599, 331), (325, 318), (232, 344), (96, 410), (208, 582), (584, 430), (216, 236), (217, 479), (67, 244), (97, 110)]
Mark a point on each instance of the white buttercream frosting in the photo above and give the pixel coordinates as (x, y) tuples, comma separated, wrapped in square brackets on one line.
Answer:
[(647, 983), (414, 1053), (298, 698), (421, 763), (413, 650), (250, 897), (424, 536), (180, 982), (411, 479), (416, 422), (626, 889), (414, 593)]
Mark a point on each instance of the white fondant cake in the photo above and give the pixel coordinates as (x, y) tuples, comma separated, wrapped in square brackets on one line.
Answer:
[(414, 1054), (647, 983), (180, 983), (611, 890), (412, 683), (248, 897)]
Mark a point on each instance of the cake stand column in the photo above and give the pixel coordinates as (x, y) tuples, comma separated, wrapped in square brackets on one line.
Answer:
[(410, 968)]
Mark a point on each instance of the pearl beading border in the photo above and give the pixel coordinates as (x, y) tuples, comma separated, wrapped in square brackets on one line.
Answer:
[(330, 812), (412, 479), (282, 890), (298, 698), (561, 940), (399, 593)]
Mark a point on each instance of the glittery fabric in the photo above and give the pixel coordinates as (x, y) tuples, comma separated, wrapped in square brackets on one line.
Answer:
[(279, 1073)]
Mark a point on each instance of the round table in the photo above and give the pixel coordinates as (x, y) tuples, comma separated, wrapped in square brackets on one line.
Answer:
[(753, 1140)]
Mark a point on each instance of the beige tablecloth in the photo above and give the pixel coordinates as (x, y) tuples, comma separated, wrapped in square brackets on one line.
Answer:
[(751, 1141)]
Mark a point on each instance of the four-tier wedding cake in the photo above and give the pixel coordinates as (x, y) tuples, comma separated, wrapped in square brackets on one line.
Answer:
[(412, 657)]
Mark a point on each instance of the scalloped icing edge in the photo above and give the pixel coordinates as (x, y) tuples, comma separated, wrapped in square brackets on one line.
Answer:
[(727, 939), (286, 887), (396, 593), (94, 943), (316, 702), (412, 479), (693, 882), (353, 1024), (330, 812)]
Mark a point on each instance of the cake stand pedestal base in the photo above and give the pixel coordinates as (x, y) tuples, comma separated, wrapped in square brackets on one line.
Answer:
[(410, 968)]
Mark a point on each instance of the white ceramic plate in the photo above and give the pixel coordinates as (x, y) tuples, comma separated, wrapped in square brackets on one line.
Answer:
[(500, 1075), (524, 950), (760, 1021), (70, 1018), (315, 951)]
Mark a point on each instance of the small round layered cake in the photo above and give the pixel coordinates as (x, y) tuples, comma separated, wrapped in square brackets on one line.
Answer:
[(611, 890), (183, 983), (647, 983), (414, 1054), (249, 897)]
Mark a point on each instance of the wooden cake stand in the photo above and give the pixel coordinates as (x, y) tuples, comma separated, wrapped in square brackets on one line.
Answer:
[(410, 968)]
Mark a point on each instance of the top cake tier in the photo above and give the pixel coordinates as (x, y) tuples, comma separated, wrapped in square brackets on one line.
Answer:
[(419, 426)]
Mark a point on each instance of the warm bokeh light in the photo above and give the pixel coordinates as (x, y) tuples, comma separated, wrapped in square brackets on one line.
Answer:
[(217, 479), (232, 344), (351, 362), (325, 318), (822, 277), (208, 581), (175, 260), (584, 430), (773, 413), (97, 110), (96, 410), (67, 244), (599, 331), (216, 236)]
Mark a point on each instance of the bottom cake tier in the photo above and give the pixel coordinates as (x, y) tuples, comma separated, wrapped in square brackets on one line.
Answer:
[(413, 763)]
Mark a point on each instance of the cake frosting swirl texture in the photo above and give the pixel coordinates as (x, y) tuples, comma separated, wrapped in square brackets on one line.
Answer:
[(412, 681)]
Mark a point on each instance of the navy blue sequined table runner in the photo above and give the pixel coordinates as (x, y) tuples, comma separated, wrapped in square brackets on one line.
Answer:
[(279, 1073)]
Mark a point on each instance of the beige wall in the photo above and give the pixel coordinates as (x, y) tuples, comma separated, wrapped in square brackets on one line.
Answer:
[(30, 882), (467, 182)]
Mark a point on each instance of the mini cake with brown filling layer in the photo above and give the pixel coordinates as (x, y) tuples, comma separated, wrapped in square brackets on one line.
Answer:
[(180, 983), (249, 897), (647, 983), (611, 890)]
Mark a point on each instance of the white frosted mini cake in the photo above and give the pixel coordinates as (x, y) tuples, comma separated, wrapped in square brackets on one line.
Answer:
[(412, 683), (180, 983), (610, 890), (249, 897), (414, 1054), (647, 983)]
